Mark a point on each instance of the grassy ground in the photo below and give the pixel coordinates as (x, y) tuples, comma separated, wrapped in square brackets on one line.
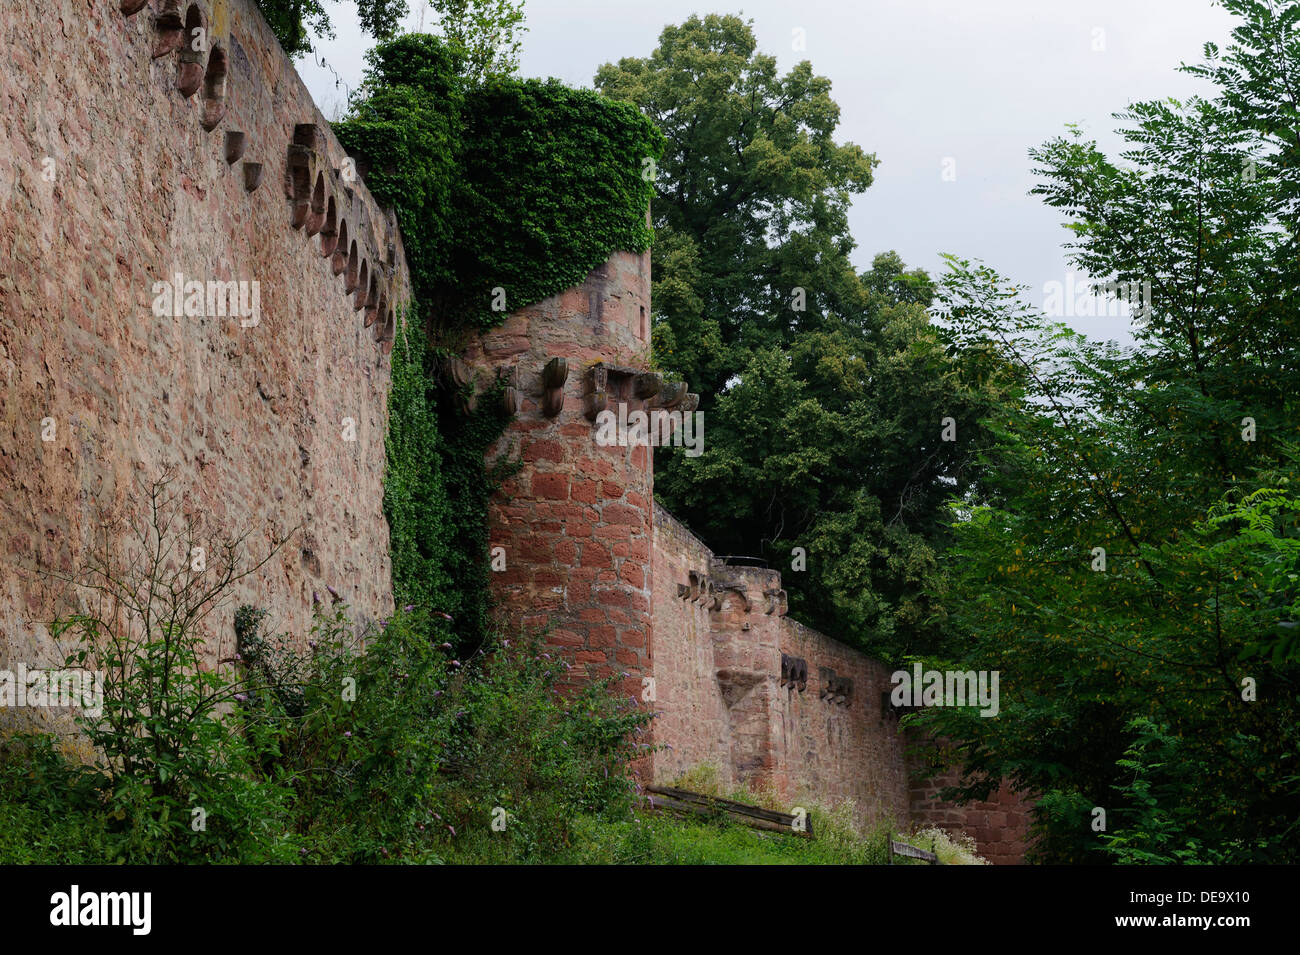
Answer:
[(653, 838), (662, 839)]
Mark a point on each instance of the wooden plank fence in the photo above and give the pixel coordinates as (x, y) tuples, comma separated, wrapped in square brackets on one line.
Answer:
[(910, 852), (683, 802)]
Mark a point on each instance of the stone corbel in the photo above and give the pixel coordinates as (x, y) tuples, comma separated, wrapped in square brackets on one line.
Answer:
[(189, 74), (169, 28), (737, 589), (845, 697), (510, 393), (836, 689), (458, 376), (776, 602), (554, 375), (794, 672), (595, 391), (735, 684), (646, 385), (714, 599), (703, 592), (235, 142), (252, 176), (298, 184), (670, 395), (300, 176), (214, 89)]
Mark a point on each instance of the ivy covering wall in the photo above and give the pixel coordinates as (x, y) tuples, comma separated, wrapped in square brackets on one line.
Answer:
[(507, 192)]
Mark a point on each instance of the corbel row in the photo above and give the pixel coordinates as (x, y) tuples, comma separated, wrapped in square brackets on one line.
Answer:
[(604, 383), (202, 64), (319, 204), (701, 591), (322, 204), (708, 593)]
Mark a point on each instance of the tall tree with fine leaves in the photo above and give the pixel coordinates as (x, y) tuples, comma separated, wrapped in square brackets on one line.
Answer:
[(1130, 564)]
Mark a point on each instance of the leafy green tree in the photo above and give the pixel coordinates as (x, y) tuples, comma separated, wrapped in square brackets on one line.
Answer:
[(514, 184), (829, 459), (485, 31), (295, 22), (824, 391), (1127, 562), (751, 197)]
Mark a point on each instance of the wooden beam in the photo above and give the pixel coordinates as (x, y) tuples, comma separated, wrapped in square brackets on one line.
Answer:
[(910, 852), (688, 803)]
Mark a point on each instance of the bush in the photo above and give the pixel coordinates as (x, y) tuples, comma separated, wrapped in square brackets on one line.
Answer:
[(429, 751), (355, 745)]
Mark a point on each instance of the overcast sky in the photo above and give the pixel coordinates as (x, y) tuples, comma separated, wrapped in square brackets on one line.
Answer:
[(919, 83)]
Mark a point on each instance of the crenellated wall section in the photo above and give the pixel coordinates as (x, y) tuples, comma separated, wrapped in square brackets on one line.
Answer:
[(775, 705)]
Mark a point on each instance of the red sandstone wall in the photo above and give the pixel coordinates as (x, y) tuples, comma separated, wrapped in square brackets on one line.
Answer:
[(575, 522), (719, 634), (745, 628), (840, 748), (251, 418), (693, 720), (718, 639), (999, 825)]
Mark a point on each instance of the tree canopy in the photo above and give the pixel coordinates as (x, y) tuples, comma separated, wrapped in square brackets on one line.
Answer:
[(1130, 565), (825, 391)]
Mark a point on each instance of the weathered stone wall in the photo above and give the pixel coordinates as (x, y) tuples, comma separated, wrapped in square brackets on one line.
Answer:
[(126, 157), (134, 149), (835, 738), (745, 688), (694, 721), (624, 588), (772, 704)]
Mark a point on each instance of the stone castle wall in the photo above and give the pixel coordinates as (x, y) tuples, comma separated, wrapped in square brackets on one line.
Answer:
[(772, 704), (574, 524), (625, 589), (126, 157), (741, 685), (151, 155), (999, 825)]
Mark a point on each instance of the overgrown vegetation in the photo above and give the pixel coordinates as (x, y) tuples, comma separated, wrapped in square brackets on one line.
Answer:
[(295, 22), (841, 837), (485, 32), (363, 745), (507, 192), (1113, 531), (520, 186), (368, 744)]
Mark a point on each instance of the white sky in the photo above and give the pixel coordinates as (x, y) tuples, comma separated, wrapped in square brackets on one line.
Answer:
[(917, 82)]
